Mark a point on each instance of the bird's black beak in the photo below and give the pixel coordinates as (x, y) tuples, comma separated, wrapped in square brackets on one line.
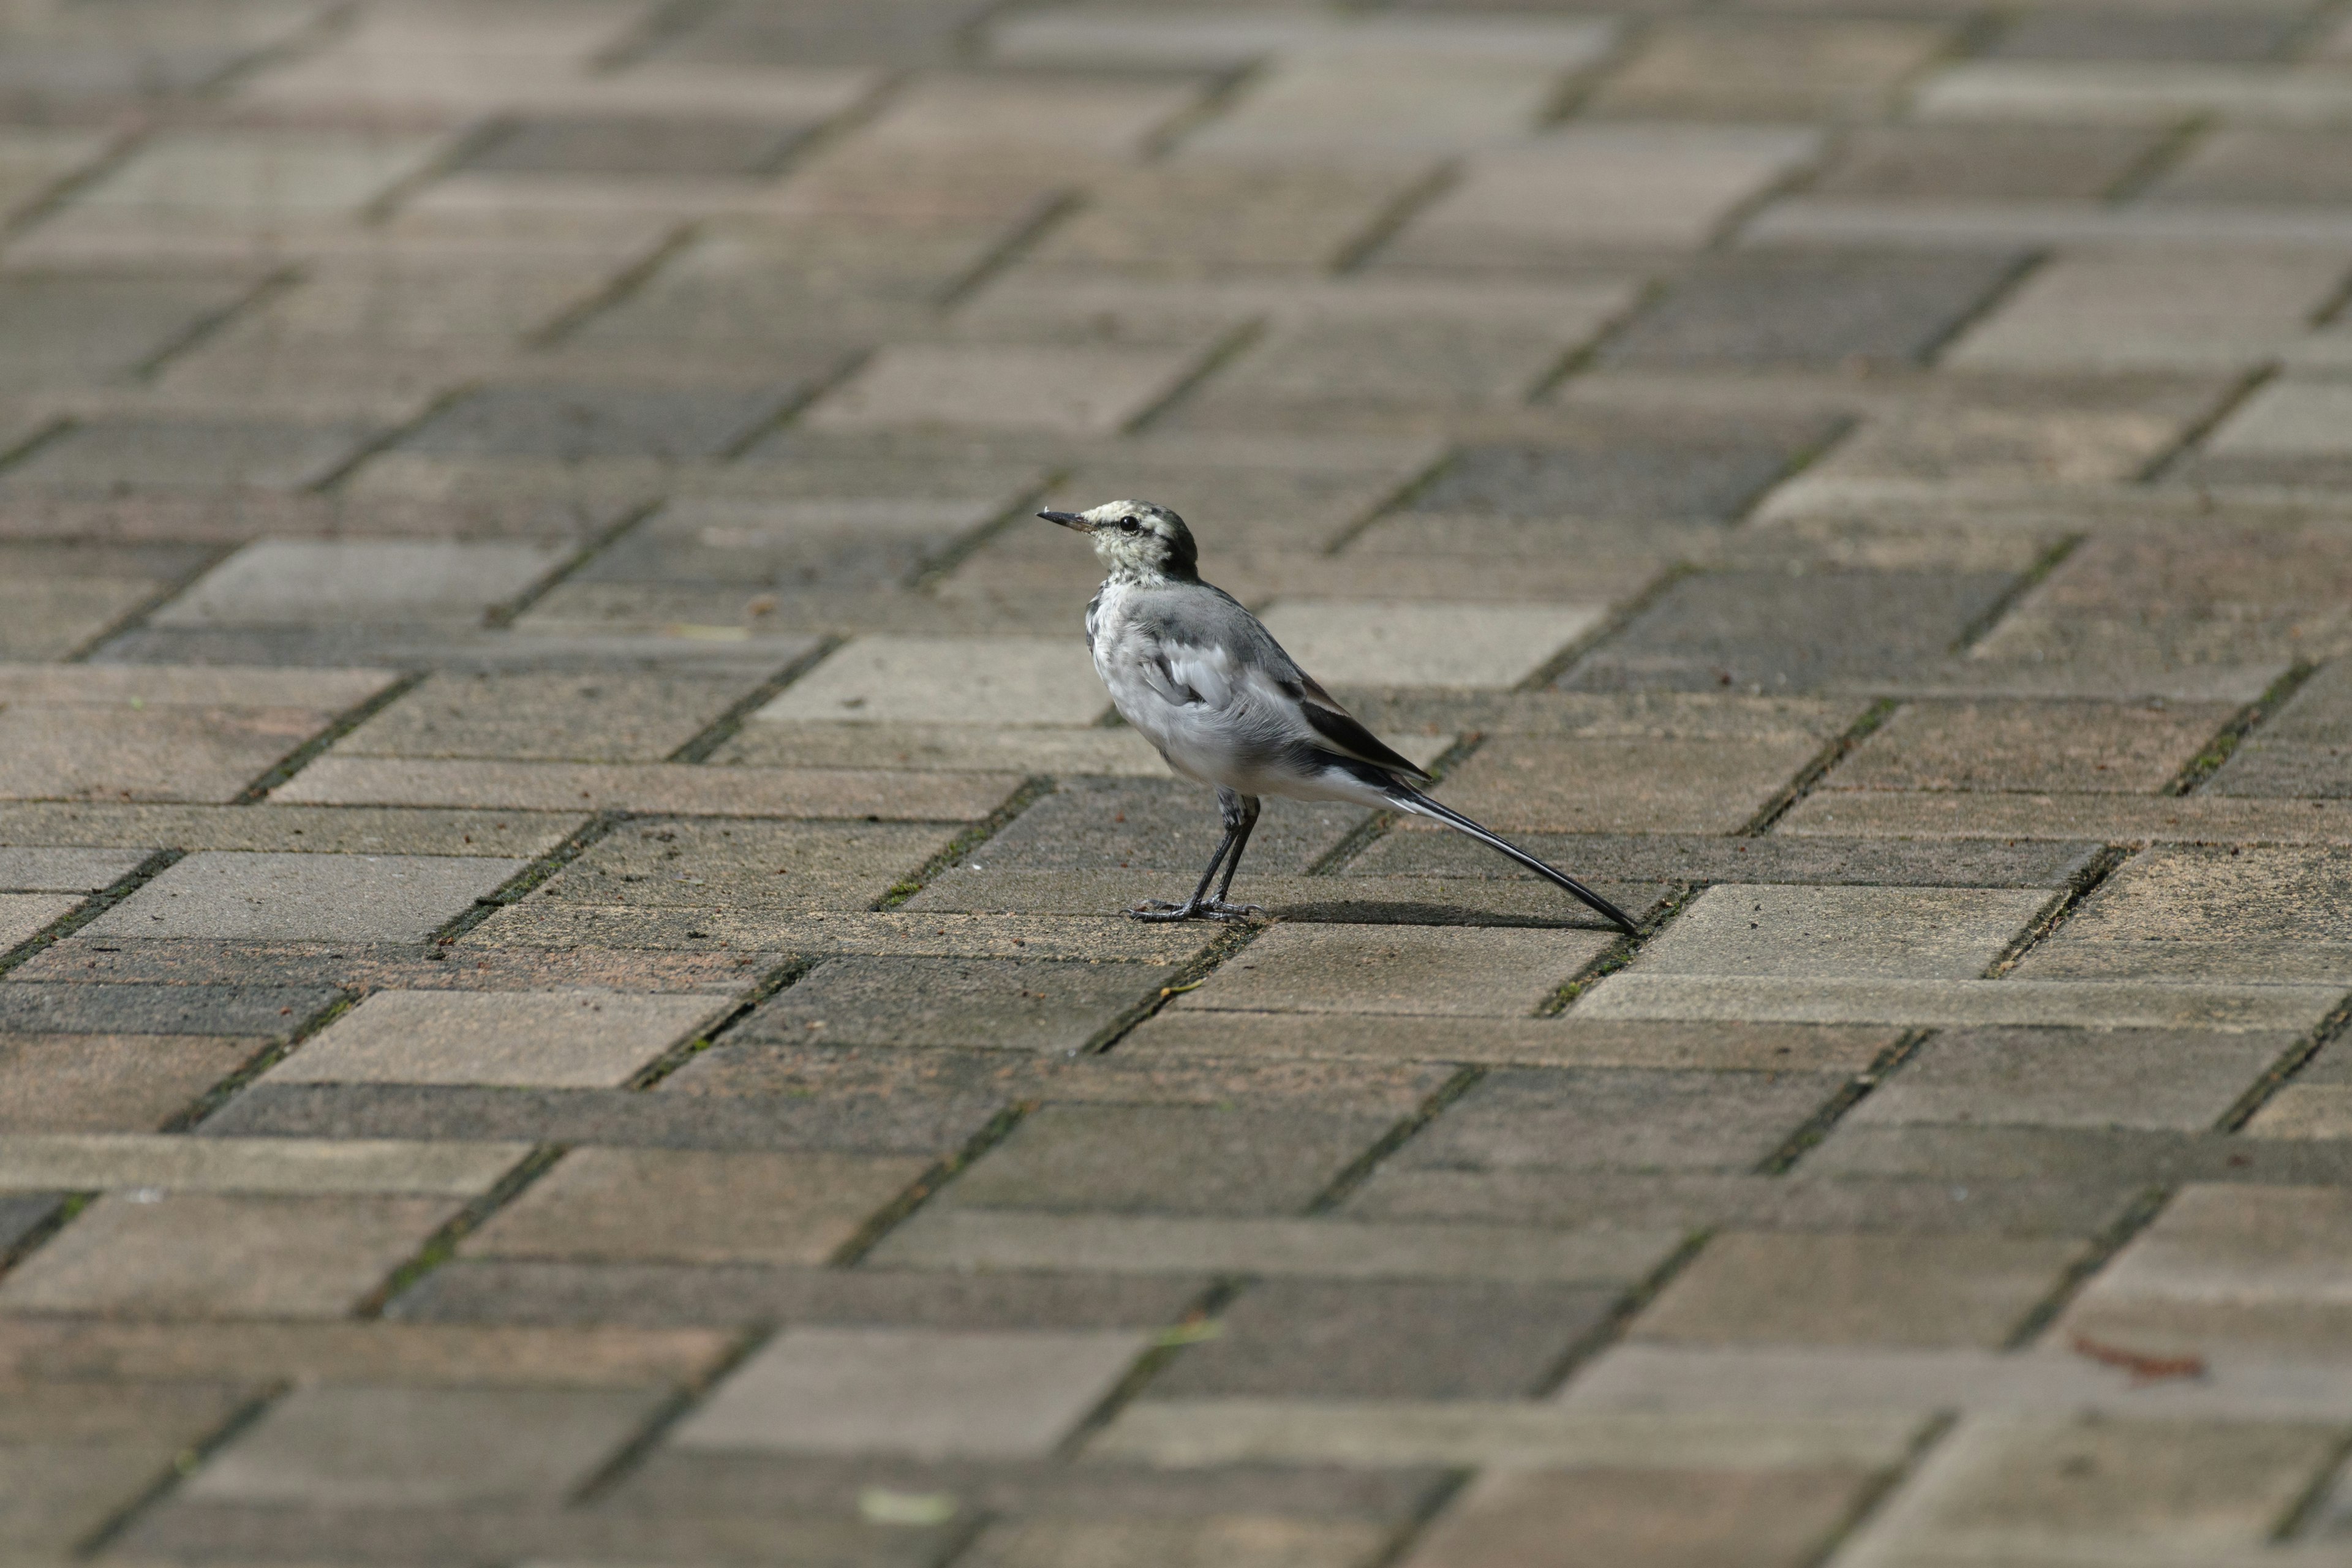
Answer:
[(1068, 519)]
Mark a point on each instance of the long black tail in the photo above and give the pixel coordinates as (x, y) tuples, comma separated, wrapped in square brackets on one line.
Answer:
[(1407, 798)]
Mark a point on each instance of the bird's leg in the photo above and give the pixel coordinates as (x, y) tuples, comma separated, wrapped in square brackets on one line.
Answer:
[(1240, 812)]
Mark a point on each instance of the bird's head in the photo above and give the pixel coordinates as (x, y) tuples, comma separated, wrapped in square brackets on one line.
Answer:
[(1135, 537)]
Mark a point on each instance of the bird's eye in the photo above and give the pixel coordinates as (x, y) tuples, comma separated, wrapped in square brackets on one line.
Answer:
[(1128, 525)]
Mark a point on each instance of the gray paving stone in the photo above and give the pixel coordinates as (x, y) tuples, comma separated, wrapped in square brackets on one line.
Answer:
[(2097, 747), (922, 33), (1986, 161), (1765, 1517), (1018, 1004), (2299, 752), (2268, 166), (197, 454), (1694, 858), (915, 1391), (2174, 912), (1779, 631), (1812, 307), (310, 829), (351, 898), (268, 1011), (109, 1083), (880, 1123), (1706, 475), (2227, 1265), (732, 864), (571, 422), (289, 582), (660, 1295), (1948, 933), (2152, 1079), (423, 1447), (1398, 1340), (637, 146), (1243, 1541), (1421, 969), (65, 870), (602, 718), (1624, 1118), (201, 1255), (64, 326), (2124, 34), (557, 1039), (1117, 1159)]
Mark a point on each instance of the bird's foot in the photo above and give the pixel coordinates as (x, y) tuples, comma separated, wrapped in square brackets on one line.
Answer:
[(1205, 910)]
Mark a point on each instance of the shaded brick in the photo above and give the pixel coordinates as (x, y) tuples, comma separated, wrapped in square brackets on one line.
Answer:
[(571, 422), (1167, 1160), (1812, 307), (636, 146), (1395, 1340), (1746, 1289), (1521, 1118), (1698, 473), (267, 1011), (1691, 858), (2060, 1078), (1158, 824), (1018, 1004), (203, 1255), (1398, 969)]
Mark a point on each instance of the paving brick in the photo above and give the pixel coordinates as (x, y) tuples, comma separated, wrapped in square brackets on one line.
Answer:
[(1957, 1003), (388, 898), (1591, 187), (947, 748), (1697, 473), (993, 680), (1811, 307), (944, 1237), (1017, 1004), (311, 829), (2085, 92), (506, 1290), (617, 717), (1757, 1519), (61, 327), (1984, 162), (923, 33), (1297, 968), (1187, 217), (109, 1083), (288, 581), (136, 734), (1396, 644), (571, 422), (2129, 1485), (2221, 1266), (1625, 785), (430, 1448), (1243, 1541), (2174, 912), (694, 1206), (922, 1392), (2100, 747), (2156, 1078), (1844, 932), (43, 870), (1402, 1340), (1323, 900), (224, 1256), (196, 453), (637, 146), (249, 176), (2151, 309), (23, 915), (653, 788), (793, 544), (1528, 1042), (1781, 631), (266, 1011), (1167, 1160), (558, 1039), (86, 1161), (2267, 166), (1696, 857), (1068, 391), (1522, 1118), (1748, 1288), (705, 865), (2250, 35), (1768, 68), (2300, 751)]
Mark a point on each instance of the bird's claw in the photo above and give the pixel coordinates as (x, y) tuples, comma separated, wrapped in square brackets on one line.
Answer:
[(1207, 909)]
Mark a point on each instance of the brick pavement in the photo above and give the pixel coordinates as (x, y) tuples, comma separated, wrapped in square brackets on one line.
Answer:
[(561, 992)]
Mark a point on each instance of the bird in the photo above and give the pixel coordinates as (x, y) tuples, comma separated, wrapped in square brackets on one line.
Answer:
[(1203, 680)]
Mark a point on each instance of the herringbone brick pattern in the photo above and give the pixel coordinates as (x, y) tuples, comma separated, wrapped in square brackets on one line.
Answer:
[(563, 994)]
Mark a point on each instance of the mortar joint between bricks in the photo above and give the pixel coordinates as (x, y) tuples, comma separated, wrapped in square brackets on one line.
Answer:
[(227, 1089), (1048, 211), (39, 1235), (1632, 1304), (2306, 1512), (1220, 353), (1387, 502), (551, 331), (701, 746), (2225, 742), (2193, 434), (442, 1245), (1189, 975), (1578, 358), (780, 978), (1817, 1127), (1881, 1488), (2290, 1061), (2059, 909), (1836, 750), (185, 1463), (1410, 1530), (1386, 223), (923, 1188), (1360, 1170), (1204, 1307), (1032, 790), (2110, 1239), (528, 880), (656, 26), (172, 588), (1556, 668), (2049, 560), (82, 914), (688, 1394), (502, 615), (941, 566), (269, 288)]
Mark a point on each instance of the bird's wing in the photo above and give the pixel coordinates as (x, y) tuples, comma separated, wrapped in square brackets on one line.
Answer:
[(1343, 731)]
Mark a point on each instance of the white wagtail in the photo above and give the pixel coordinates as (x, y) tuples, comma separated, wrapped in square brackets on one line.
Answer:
[(1207, 684)]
